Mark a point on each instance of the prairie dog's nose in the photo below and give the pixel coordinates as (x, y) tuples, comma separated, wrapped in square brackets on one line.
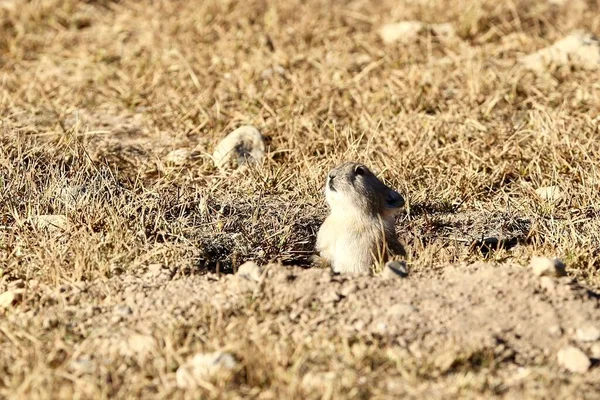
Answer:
[(330, 178)]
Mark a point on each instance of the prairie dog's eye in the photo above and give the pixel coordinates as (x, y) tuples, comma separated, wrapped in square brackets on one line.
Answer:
[(359, 170)]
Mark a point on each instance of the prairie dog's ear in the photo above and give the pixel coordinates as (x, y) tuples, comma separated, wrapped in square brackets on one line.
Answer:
[(394, 199)]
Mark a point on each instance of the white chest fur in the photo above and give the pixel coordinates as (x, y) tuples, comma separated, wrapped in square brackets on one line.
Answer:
[(351, 243)]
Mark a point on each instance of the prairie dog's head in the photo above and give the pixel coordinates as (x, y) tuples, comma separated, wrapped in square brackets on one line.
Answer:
[(353, 187)]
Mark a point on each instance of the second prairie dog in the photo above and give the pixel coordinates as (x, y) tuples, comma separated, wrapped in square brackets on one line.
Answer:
[(359, 232)]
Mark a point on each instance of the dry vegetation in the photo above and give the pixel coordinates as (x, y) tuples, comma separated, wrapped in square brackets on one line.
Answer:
[(98, 93)]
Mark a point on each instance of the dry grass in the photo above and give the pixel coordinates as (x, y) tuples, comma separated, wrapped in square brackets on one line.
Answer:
[(97, 93)]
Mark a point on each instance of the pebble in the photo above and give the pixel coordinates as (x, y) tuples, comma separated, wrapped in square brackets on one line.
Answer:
[(10, 298), (155, 269), (250, 271), (587, 334), (555, 330), (50, 323), (395, 269), (595, 350), (400, 310), (331, 296), (123, 310), (177, 156), (580, 48), (138, 345), (573, 359), (404, 31), (408, 31), (349, 289), (550, 194), (445, 30), (544, 266), (83, 365), (73, 196), (319, 381), (547, 284), (268, 73), (51, 223), (202, 367), (239, 147)]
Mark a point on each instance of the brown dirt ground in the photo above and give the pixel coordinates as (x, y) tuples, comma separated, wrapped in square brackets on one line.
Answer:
[(478, 330)]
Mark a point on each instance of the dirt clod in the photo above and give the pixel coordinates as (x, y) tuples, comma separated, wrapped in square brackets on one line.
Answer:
[(203, 367), (50, 223), (409, 31), (587, 334), (580, 48), (239, 147), (551, 194), (138, 345), (177, 156), (9, 298), (250, 271), (73, 196), (574, 359)]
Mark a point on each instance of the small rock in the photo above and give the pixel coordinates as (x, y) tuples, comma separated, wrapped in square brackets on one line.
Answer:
[(51, 223), (595, 350), (177, 157), (409, 31), (544, 266), (50, 323), (116, 270), (203, 367), (405, 31), (267, 73), (547, 284), (555, 331), (155, 269), (83, 365), (239, 147), (10, 298), (573, 359), (73, 196), (138, 345), (319, 381), (445, 30), (395, 269), (381, 327), (551, 194), (362, 59), (588, 334), (349, 289), (400, 310), (123, 310), (359, 325), (581, 48), (250, 271), (330, 297)]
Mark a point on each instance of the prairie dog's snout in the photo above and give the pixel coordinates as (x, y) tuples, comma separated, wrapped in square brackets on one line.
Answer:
[(330, 185), (353, 185)]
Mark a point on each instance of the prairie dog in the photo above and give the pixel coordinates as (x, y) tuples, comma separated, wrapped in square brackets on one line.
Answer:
[(359, 232)]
